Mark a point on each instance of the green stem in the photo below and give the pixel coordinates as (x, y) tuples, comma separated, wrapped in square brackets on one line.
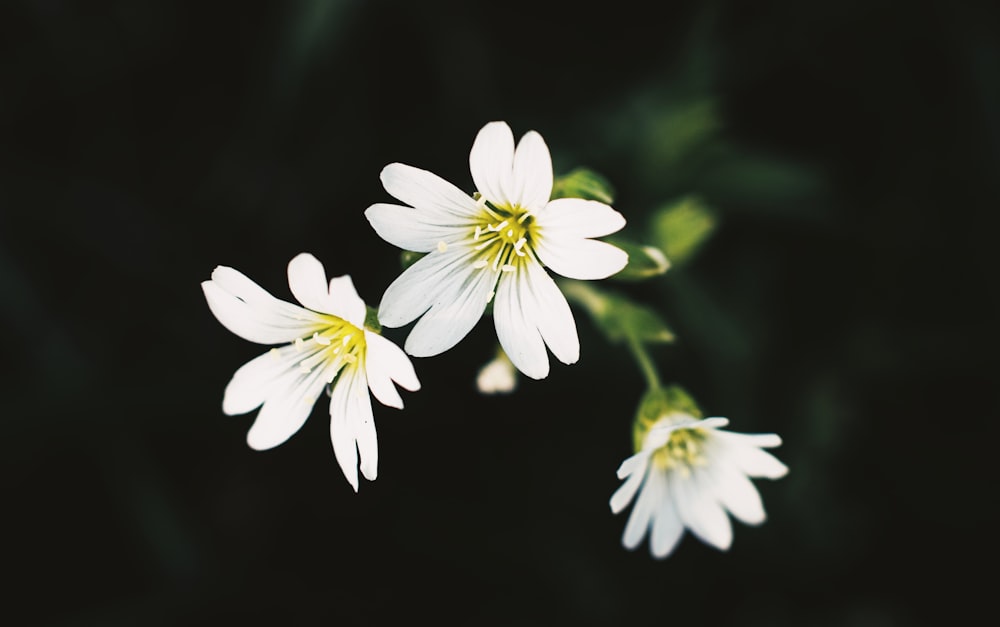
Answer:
[(646, 364)]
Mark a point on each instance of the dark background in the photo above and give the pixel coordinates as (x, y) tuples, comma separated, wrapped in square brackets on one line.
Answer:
[(846, 301)]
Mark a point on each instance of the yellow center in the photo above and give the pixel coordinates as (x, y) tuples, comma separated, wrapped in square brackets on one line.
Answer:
[(682, 451), (504, 237), (333, 345)]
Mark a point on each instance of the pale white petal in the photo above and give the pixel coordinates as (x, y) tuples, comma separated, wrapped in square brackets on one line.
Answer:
[(385, 357), (430, 194), (650, 498), (414, 230), (580, 258), (631, 464), (344, 301), (420, 286), (271, 322), (454, 313), (760, 440), (753, 461), (552, 315), (255, 380), (576, 218), (627, 490), (384, 363), (518, 334), (699, 510), (352, 426), (307, 280), (491, 162), (532, 175), (242, 287), (715, 422), (667, 528), (286, 408), (736, 492)]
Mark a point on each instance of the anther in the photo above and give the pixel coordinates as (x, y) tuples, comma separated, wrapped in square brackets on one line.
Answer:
[(482, 263), (320, 339), (442, 246), (298, 343)]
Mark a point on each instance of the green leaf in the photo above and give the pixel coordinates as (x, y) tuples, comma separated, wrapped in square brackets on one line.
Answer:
[(583, 183), (643, 261), (371, 319), (682, 227), (618, 317)]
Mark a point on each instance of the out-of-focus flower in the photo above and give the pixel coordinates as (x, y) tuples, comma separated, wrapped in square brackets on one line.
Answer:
[(325, 344), (688, 472), (493, 245), (498, 376)]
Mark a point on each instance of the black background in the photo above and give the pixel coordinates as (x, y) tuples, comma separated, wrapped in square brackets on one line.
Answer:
[(847, 301)]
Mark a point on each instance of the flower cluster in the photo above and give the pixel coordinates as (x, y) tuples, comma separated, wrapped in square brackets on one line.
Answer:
[(514, 248)]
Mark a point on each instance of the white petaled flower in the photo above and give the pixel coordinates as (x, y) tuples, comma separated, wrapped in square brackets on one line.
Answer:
[(325, 342), (495, 245), (498, 376), (688, 474)]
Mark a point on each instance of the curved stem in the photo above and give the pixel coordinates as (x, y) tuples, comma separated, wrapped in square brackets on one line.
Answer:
[(646, 364)]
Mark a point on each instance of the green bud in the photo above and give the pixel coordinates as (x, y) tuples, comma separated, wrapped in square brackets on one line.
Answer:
[(643, 261), (682, 227), (617, 316), (583, 183)]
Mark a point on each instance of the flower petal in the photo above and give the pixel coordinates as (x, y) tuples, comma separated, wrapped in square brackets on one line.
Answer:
[(751, 460), (455, 312), (627, 490), (532, 174), (650, 497), (518, 335), (307, 280), (736, 492), (699, 510), (263, 321), (352, 426), (552, 315), (580, 258), (255, 380), (576, 218), (384, 363), (437, 200), (345, 303), (414, 230), (491, 162), (630, 464), (419, 286), (667, 528), (286, 408)]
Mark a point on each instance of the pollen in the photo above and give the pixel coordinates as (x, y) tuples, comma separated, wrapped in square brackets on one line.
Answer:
[(505, 235)]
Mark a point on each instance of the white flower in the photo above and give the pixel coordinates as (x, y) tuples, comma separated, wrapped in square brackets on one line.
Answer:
[(498, 376), (690, 473), (326, 343), (493, 244)]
